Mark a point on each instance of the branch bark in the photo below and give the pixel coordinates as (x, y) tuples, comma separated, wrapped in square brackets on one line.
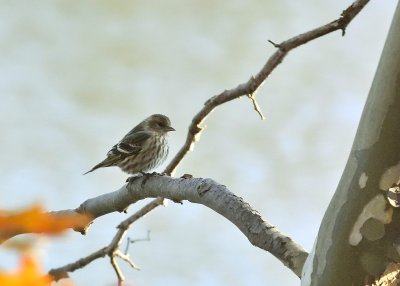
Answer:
[(196, 190)]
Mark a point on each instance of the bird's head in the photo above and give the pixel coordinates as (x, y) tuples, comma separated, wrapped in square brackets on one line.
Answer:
[(158, 123)]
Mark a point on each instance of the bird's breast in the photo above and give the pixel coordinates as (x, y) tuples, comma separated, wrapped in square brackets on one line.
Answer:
[(153, 153)]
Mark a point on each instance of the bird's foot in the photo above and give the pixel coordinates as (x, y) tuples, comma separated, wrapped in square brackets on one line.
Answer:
[(132, 178), (186, 176), (143, 174), (153, 174), (148, 175)]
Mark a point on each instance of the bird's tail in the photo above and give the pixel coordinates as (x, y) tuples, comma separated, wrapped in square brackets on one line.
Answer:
[(91, 170), (109, 161), (102, 164)]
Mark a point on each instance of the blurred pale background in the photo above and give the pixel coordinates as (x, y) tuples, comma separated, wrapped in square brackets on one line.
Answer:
[(76, 76)]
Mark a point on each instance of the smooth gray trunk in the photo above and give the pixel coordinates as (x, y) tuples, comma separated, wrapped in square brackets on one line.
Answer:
[(360, 232)]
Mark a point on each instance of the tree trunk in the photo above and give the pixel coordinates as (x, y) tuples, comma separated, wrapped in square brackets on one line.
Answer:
[(359, 234)]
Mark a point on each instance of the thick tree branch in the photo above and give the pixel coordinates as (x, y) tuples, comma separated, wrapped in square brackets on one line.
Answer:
[(196, 190)]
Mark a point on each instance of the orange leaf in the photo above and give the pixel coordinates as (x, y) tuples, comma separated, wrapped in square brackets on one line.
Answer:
[(36, 220), (29, 273)]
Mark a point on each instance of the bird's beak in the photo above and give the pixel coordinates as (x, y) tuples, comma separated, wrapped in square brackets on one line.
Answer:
[(169, 128)]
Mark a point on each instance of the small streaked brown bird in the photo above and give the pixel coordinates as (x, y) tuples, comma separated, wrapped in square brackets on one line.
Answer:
[(142, 149)]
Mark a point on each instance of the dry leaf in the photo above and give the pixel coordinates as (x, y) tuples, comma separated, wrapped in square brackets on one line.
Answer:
[(36, 220), (29, 273)]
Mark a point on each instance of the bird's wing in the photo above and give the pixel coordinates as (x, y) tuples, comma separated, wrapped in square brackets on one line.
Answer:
[(131, 144)]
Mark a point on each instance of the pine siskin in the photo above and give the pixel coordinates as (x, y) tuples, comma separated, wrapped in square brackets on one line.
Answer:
[(142, 149)]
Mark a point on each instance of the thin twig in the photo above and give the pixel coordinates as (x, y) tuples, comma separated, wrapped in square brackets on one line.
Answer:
[(111, 249), (255, 82), (126, 258), (117, 270), (274, 44), (257, 108), (130, 241)]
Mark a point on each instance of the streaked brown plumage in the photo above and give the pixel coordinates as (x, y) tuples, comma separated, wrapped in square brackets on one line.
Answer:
[(144, 147)]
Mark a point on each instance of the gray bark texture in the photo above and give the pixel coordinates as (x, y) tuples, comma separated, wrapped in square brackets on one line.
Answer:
[(213, 195)]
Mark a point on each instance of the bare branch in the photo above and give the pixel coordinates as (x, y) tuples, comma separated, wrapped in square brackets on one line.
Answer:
[(201, 191), (112, 250), (126, 258), (130, 241), (62, 272), (251, 86), (218, 198), (257, 108), (117, 270)]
